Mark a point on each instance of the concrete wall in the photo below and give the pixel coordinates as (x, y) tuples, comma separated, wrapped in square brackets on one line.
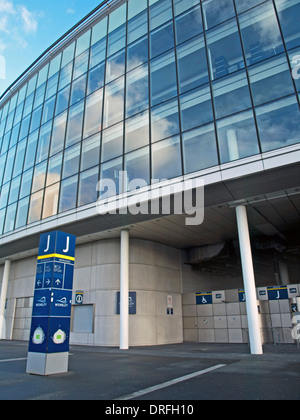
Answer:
[(155, 273)]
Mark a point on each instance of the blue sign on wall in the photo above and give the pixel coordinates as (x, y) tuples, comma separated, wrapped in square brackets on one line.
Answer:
[(131, 303), (50, 327), (278, 293), (204, 298)]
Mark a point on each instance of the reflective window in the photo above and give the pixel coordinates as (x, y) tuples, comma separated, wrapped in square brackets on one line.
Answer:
[(294, 57), (50, 201), (137, 53), (54, 169), (74, 126), (137, 27), (2, 218), (93, 114), (22, 211), (9, 164), (68, 194), (196, 108), (192, 65), (26, 183), (114, 102), (231, 95), (243, 5), (81, 65), (44, 143), (90, 152), (14, 190), (115, 66), (83, 43), (260, 33), (275, 125), (164, 120), (183, 5), (78, 90), (270, 80), (188, 25), (65, 76), (112, 142), (71, 161), (137, 165), (163, 78), (116, 40), (30, 151), (36, 119), (4, 195), (161, 40), (62, 102), (137, 132), (19, 158), (160, 12), (287, 10), (224, 49), (95, 78), (58, 134), (98, 53), (237, 137), (52, 86), (87, 187), (166, 159), (48, 111), (35, 207), (10, 218), (217, 11), (99, 31), (111, 171), (39, 177), (137, 93)]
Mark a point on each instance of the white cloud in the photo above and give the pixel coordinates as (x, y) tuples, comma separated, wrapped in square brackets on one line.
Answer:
[(29, 21), (6, 7)]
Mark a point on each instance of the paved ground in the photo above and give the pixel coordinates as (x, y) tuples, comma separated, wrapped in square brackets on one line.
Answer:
[(181, 372)]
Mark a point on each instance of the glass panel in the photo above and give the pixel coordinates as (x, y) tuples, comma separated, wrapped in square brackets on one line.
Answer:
[(276, 127), (260, 33), (68, 194), (14, 190), (35, 207), (237, 137), (93, 114), (137, 132), (96, 79), (14, 135), (71, 161), (44, 142), (24, 127), (115, 66), (114, 102), (54, 169), (137, 53), (50, 201), (135, 7), (83, 43), (62, 102), (166, 159), (2, 166), (295, 64), (137, 165), (112, 142), (111, 170), (87, 187), (289, 12), (9, 164), (183, 5), (217, 11), (58, 134), (10, 218), (161, 40), (242, 5), (39, 177), (116, 40), (196, 108), (22, 213), (36, 119), (81, 65), (164, 120), (4, 195), (224, 50), (31, 150), (68, 54), (48, 110), (2, 216), (78, 90), (19, 158), (137, 26), (52, 86), (163, 78), (188, 25), (90, 152), (26, 183), (137, 93), (99, 31), (98, 53), (54, 65), (65, 76), (270, 80), (160, 12), (39, 96), (231, 95), (200, 149), (117, 18), (74, 127)]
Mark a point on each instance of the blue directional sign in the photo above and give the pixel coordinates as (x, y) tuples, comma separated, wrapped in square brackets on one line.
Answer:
[(204, 298), (278, 293), (131, 303), (242, 295), (50, 328)]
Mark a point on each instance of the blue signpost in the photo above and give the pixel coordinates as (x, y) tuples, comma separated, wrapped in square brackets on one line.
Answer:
[(48, 351)]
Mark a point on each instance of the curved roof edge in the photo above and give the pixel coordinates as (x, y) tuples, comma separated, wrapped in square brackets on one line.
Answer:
[(103, 6)]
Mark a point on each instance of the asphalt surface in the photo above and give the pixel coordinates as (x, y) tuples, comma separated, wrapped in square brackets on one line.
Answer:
[(181, 372)]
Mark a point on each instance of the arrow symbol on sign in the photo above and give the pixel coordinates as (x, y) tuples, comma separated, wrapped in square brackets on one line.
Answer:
[(58, 282)]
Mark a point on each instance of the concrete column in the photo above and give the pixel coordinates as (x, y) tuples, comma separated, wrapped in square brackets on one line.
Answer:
[(284, 273), (3, 297), (249, 281), (124, 291)]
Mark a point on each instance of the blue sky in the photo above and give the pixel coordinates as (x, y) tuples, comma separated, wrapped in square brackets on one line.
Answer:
[(29, 27)]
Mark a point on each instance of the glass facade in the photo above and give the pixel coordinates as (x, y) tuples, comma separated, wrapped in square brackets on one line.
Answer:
[(159, 88)]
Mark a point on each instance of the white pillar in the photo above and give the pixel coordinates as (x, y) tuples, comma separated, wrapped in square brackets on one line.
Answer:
[(3, 298), (124, 291), (249, 281)]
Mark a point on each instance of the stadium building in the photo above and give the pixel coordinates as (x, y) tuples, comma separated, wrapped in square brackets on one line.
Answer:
[(137, 93)]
